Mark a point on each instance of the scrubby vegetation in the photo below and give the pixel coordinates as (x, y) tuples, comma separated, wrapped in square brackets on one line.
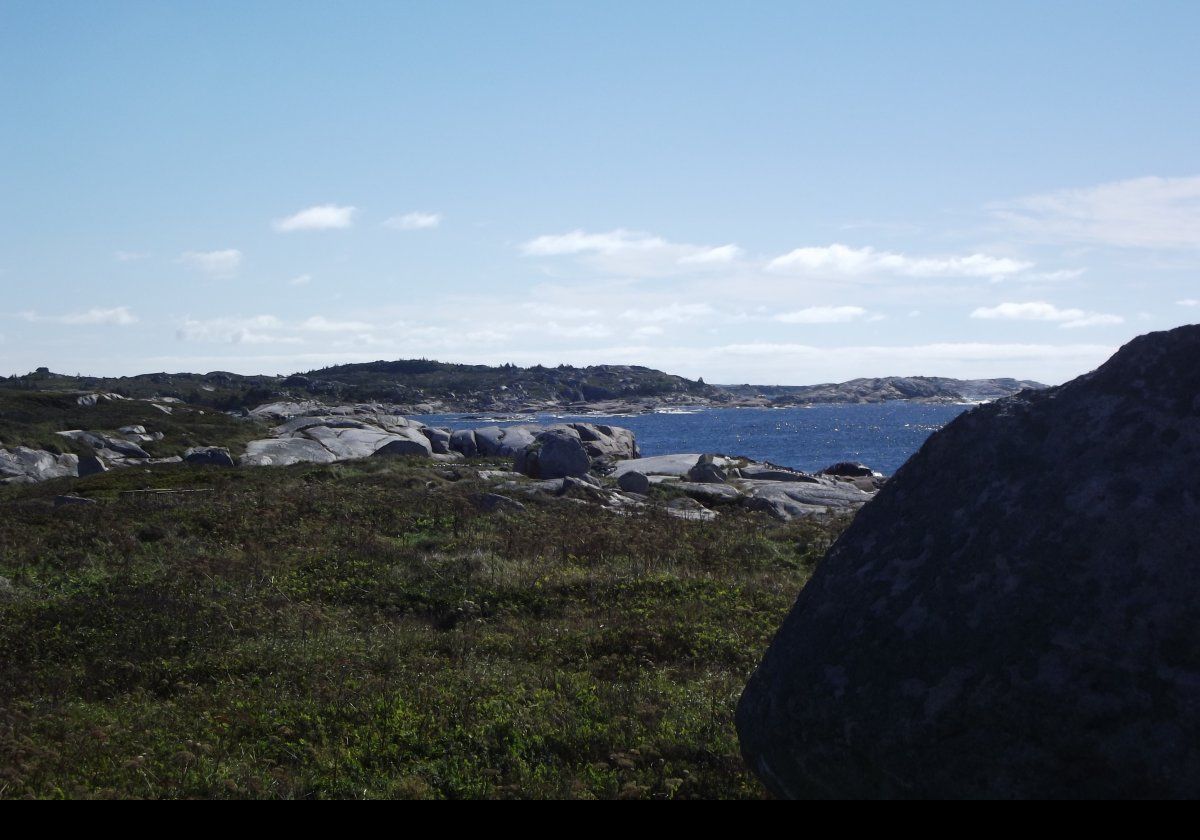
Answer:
[(407, 381), (34, 419), (412, 380), (364, 630)]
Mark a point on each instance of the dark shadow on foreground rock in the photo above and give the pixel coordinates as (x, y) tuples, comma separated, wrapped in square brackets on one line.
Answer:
[(1016, 614)]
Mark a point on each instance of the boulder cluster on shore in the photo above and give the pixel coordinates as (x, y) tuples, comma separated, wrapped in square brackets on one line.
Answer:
[(590, 461)]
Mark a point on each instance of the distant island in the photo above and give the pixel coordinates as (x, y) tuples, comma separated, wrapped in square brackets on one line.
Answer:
[(423, 386), (927, 389)]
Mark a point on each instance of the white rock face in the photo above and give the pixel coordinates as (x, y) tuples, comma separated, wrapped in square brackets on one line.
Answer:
[(113, 449), (322, 434), (788, 500), (22, 465), (280, 452), (91, 400), (309, 408), (370, 429), (676, 465), (785, 494)]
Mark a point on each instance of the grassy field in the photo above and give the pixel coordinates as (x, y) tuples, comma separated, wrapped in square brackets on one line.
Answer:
[(363, 630)]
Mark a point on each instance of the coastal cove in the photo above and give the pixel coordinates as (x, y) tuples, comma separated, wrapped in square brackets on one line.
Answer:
[(881, 435)]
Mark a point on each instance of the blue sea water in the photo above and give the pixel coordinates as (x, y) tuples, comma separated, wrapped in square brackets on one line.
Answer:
[(881, 435)]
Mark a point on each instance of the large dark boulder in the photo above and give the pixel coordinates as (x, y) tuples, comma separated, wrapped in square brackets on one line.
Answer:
[(91, 465), (706, 471), (463, 441), (439, 439), (634, 482), (847, 469), (554, 453), (1016, 614), (208, 456), (611, 442)]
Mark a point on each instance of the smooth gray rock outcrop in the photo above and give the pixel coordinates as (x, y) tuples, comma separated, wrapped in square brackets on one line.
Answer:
[(791, 499), (111, 447), (399, 445), (1015, 615), (599, 444), (687, 508), (324, 433), (708, 492), (439, 439), (504, 441), (770, 472), (20, 464), (318, 433), (606, 442), (707, 471), (281, 452), (715, 479), (676, 465)]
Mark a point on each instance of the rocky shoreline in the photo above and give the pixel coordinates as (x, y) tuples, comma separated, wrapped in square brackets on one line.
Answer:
[(588, 462)]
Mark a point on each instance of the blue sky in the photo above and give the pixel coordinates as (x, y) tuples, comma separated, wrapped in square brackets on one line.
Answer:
[(768, 192)]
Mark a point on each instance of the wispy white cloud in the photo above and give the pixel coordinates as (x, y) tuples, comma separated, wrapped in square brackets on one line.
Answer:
[(581, 242), (1094, 319), (300, 280), (546, 310), (717, 255), (846, 260), (319, 323), (958, 351), (581, 331), (674, 313), (1042, 311), (822, 315), (633, 252), (648, 331), (416, 220), (120, 316), (130, 256), (1057, 276), (217, 263), (1149, 212), (318, 217), (259, 329), (1188, 302), (270, 329)]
